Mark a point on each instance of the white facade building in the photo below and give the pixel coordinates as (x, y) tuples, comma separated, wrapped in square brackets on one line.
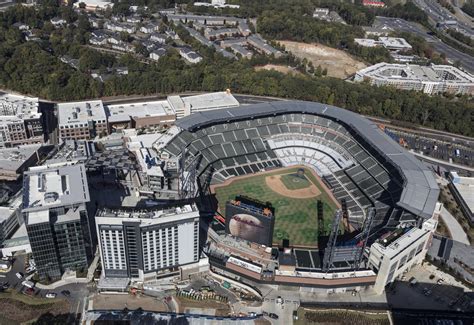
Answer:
[(431, 79), (143, 244), (399, 251)]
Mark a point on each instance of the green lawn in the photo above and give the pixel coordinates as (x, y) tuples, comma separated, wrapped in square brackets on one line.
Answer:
[(296, 219), (295, 182)]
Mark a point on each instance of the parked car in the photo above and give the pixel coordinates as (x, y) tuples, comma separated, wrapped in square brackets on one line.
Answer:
[(66, 293), (28, 284), (273, 315), (19, 275), (50, 295)]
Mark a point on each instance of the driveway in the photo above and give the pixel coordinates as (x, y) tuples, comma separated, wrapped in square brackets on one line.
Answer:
[(455, 229)]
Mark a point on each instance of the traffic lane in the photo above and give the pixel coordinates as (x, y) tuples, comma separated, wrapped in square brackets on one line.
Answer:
[(466, 60)]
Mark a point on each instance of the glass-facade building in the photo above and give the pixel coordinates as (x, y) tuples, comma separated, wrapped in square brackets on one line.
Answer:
[(58, 245)]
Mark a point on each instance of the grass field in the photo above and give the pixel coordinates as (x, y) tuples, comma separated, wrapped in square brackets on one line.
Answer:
[(294, 181), (296, 219)]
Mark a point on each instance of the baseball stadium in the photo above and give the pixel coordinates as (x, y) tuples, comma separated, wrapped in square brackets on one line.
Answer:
[(326, 171)]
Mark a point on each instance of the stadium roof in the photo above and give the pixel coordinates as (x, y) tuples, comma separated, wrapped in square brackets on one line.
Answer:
[(420, 191)]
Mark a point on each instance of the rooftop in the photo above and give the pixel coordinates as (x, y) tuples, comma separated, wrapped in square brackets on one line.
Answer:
[(465, 188), (123, 112), (54, 185), (211, 100), (81, 112), (146, 217), (13, 158), (21, 106), (413, 72), (420, 191)]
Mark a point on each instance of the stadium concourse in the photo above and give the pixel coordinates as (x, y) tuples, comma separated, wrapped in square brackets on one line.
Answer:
[(387, 191)]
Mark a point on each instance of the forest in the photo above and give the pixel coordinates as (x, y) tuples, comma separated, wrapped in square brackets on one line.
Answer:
[(34, 68)]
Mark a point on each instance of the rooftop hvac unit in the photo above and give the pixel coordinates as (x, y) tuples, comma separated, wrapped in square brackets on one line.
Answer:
[(74, 115), (89, 112), (88, 105)]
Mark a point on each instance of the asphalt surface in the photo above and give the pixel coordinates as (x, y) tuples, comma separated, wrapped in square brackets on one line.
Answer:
[(76, 299), (440, 147), (453, 55), (439, 14)]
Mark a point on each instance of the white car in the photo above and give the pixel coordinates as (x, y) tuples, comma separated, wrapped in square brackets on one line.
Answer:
[(50, 295), (19, 275)]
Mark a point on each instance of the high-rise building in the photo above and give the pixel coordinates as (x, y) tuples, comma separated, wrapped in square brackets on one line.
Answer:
[(54, 208), (139, 244)]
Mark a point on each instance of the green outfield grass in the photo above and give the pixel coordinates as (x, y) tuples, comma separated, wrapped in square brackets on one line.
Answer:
[(296, 219)]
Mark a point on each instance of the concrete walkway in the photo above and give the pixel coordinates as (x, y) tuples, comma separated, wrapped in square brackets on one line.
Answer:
[(455, 229)]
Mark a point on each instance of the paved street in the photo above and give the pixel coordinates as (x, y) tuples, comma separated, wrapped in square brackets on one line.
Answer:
[(452, 54)]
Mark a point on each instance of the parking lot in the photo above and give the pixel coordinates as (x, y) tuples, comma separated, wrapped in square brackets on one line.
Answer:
[(433, 289)]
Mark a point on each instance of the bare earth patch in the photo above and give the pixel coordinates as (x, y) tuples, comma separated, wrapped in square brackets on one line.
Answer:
[(280, 68), (104, 301), (338, 63), (275, 183)]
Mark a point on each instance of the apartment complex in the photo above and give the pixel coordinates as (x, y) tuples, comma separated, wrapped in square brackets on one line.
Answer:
[(431, 79), (142, 244), (20, 120), (82, 120), (55, 214)]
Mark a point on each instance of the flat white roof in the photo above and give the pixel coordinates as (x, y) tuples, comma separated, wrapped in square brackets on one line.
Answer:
[(13, 158), (146, 218), (123, 112), (81, 112), (55, 185), (21, 106), (465, 188), (95, 3), (394, 42), (212, 100), (413, 72)]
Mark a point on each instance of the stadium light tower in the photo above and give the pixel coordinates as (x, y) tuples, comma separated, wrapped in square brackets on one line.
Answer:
[(331, 246)]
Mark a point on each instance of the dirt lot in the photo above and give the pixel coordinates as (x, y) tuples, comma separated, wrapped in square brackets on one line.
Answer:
[(208, 306), (129, 301), (14, 311), (338, 63), (280, 68)]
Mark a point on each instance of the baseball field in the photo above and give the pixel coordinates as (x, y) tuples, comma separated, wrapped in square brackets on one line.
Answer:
[(293, 192)]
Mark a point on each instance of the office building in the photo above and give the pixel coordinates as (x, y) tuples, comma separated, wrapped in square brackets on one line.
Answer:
[(20, 120), (431, 79), (143, 245), (55, 214), (398, 251), (394, 44), (82, 120)]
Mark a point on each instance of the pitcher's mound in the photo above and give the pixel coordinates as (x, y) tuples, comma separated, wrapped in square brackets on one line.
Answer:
[(275, 183)]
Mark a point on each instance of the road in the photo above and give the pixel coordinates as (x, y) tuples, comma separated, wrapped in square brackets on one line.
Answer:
[(401, 25), (455, 229), (438, 14)]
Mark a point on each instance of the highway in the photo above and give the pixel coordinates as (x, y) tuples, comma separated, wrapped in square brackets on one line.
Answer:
[(401, 25), (438, 14)]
